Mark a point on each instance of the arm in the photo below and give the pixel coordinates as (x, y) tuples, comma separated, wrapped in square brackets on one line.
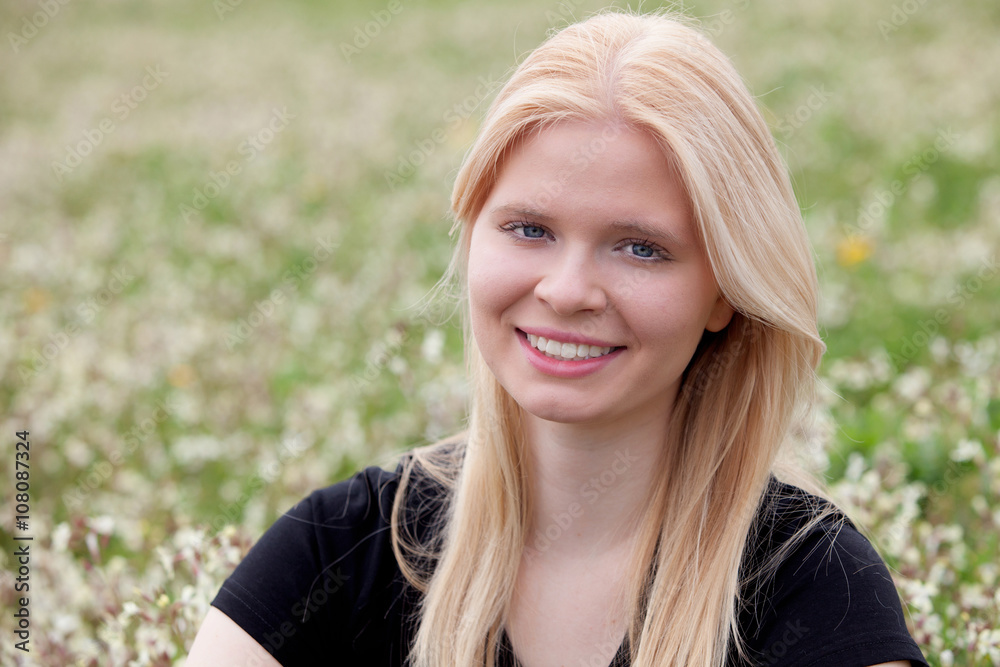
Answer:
[(297, 592), (222, 643)]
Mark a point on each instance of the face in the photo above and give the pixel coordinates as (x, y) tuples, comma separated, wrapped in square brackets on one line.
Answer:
[(588, 286)]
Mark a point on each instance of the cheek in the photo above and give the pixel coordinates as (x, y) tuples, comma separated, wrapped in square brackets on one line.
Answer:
[(669, 310), (493, 280), (491, 294)]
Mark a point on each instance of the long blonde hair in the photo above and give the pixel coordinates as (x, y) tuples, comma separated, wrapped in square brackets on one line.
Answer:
[(741, 390)]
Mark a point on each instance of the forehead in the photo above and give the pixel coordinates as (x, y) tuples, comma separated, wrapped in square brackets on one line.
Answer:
[(592, 145)]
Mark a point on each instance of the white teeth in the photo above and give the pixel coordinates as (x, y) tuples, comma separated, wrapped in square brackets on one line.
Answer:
[(566, 351)]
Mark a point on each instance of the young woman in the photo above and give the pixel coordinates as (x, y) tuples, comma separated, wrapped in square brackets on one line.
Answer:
[(641, 334)]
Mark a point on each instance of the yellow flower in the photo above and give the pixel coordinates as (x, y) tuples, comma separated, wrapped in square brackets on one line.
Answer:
[(181, 375), (36, 299), (853, 250), (162, 601)]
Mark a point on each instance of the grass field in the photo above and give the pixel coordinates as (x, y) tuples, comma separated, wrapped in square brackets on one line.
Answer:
[(215, 219)]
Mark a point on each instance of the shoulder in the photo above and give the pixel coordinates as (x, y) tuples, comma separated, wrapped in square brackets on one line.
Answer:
[(816, 592), (328, 562), (804, 544)]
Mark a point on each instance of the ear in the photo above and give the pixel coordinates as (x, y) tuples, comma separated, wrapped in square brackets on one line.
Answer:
[(720, 316)]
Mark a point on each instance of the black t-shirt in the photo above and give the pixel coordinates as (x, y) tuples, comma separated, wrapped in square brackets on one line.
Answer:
[(322, 586)]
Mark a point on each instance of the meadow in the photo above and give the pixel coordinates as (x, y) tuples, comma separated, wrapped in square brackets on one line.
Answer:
[(217, 219)]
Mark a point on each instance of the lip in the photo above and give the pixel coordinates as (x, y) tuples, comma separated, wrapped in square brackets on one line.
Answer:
[(564, 369)]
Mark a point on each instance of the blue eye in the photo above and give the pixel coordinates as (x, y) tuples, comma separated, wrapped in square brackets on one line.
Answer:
[(528, 230), (642, 250)]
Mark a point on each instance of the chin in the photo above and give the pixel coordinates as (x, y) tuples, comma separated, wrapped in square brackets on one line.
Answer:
[(559, 412)]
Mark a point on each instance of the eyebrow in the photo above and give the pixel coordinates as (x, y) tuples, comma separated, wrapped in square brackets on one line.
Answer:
[(640, 228), (517, 209), (632, 226)]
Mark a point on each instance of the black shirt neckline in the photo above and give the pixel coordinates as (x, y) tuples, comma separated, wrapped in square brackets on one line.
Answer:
[(509, 658)]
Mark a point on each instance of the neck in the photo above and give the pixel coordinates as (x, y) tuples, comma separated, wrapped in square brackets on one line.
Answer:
[(590, 484)]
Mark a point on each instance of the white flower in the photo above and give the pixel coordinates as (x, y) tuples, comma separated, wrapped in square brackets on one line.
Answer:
[(939, 349), (60, 537), (920, 594), (196, 449), (850, 374), (912, 384), (967, 450), (129, 609), (988, 645), (102, 525), (432, 345), (65, 623), (397, 365), (855, 467)]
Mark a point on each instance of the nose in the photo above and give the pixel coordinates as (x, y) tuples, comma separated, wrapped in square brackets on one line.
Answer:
[(572, 284)]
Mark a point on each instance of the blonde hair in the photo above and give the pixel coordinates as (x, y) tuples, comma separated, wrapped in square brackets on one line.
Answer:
[(739, 394)]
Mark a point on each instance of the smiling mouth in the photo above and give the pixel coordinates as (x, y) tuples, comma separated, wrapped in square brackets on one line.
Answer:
[(566, 351)]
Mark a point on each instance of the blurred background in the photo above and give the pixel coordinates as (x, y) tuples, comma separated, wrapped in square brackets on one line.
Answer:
[(216, 219)]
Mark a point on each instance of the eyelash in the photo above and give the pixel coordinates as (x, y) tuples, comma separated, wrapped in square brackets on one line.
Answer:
[(659, 254)]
